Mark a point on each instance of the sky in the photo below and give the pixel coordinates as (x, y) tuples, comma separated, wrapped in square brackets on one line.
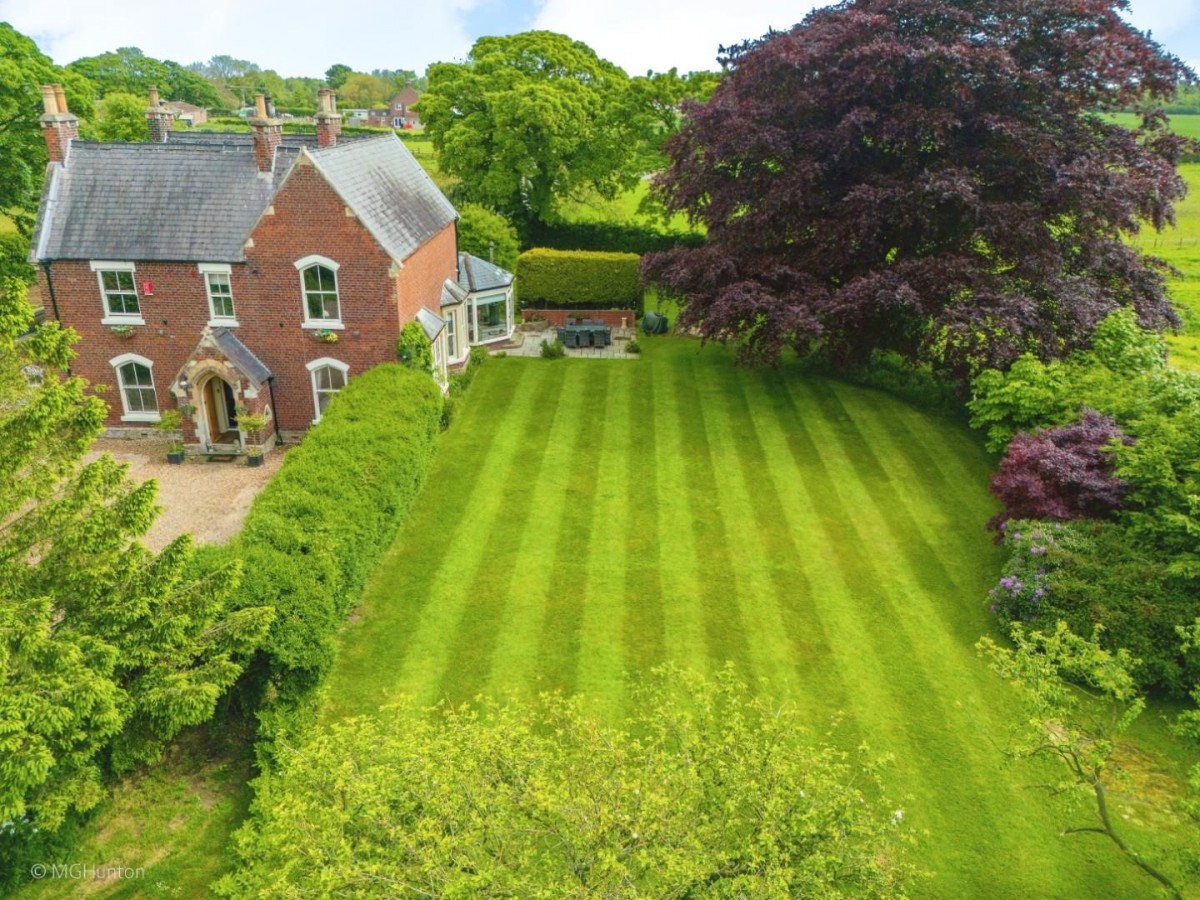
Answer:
[(305, 37)]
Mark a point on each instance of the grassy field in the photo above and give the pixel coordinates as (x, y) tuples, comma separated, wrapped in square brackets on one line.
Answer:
[(587, 520)]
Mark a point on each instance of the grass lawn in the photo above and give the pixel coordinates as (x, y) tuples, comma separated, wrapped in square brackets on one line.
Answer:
[(173, 821), (586, 520), (1180, 247)]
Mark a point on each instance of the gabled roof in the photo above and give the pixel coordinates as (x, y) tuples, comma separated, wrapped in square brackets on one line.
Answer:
[(452, 293), (385, 186), (408, 96), (198, 196), (431, 322), (240, 356), (475, 274), (152, 202)]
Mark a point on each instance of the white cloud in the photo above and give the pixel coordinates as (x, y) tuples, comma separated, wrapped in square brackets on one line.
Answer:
[(640, 35), (299, 37)]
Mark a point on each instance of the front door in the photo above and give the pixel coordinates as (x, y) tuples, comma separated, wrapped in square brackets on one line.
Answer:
[(220, 411), (211, 393)]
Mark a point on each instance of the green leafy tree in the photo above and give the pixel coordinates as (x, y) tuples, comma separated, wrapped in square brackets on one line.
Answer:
[(336, 75), (23, 69), (127, 70), (488, 235), (362, 91), (1078, 700), (528, 120), (106, 649), (719, 795), (122, 117)]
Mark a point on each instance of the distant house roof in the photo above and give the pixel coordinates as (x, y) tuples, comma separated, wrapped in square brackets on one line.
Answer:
[(183, 106), (408, 96), (241, 356), (198, 196), (475, 274)]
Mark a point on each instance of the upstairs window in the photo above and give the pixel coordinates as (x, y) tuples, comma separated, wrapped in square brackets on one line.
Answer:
[(220, 294), (118, 290), (136, 383), (318, 281)]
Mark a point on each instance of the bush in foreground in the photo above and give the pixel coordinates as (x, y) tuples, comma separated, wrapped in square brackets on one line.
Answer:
[(717, 796)]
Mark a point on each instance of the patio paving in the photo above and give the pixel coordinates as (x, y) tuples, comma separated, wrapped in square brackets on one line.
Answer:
[(529, 343)]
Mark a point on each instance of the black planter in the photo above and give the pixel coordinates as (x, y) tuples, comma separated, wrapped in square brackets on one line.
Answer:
[(175, 457), (254, 461)]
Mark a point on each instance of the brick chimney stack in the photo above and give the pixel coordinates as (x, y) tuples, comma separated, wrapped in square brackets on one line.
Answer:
[(268, 134), (159, 118), (59, 127), (329, 120)]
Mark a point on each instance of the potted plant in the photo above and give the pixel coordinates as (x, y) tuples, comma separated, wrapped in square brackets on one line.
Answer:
[(251, 425), (169, 423)]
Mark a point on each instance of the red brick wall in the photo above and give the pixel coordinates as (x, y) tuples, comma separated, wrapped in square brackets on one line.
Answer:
[(308, 218), (558, 317), (420, 281)]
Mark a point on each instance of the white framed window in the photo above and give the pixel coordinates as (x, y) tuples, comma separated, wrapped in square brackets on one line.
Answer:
[(452, 335), (328, 378), (118, 291), (135, 380), (220, 294), (318, 285)]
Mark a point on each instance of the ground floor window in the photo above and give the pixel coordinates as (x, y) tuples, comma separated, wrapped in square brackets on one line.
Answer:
[(492, 317), (328, 378), (452, 335), (136, 383)]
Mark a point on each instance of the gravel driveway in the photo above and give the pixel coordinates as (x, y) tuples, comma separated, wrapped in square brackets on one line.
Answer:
[(209, 499)]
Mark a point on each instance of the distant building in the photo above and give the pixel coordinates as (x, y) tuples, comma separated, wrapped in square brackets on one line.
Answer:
[(399, 112), (188, 113)]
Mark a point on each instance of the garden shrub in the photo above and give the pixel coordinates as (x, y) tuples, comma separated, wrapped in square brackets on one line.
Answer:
[(316, 531), (553, 351), (553, 279), (621, 237), (1089, 573), (459, 382), (1061, 473), (413, 349)]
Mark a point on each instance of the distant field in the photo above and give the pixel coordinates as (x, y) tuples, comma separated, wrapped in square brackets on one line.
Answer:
[(1180, 246), (1188, 126)]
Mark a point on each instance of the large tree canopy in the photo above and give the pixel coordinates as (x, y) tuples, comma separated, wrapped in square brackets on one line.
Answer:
[(127, 70), (530, 118), (23, 69), (927, 176)]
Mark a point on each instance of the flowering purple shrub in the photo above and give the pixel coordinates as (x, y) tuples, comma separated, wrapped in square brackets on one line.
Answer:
[(1022, 594), (1061, 473)]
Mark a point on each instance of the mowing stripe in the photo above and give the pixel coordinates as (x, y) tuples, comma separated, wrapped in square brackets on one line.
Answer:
[(643, 631), (560, 637), (744, 495), (719, 589), (929, 677), (601, 667), (402, 587), (491, 590), (426, 652), (678, 552)]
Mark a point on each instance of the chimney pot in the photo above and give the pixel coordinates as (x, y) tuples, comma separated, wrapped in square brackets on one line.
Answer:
[(260, 106), (153, 95), (49, 101), (61, 98)]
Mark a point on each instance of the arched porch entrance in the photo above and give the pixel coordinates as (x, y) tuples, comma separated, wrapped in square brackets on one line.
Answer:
[(218, 412)]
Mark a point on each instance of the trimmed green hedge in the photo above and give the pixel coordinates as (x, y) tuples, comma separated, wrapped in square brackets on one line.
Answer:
[(607, 236), (554, 279), (317, 530)]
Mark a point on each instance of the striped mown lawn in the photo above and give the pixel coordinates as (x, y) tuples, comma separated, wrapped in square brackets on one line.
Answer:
[(588, 519)]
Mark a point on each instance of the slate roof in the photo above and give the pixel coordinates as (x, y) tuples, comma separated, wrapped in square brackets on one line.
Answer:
[(475, 274), (240, 356), (452, 293), (198, 196), (388, 190), (152, 202), (431, 322)]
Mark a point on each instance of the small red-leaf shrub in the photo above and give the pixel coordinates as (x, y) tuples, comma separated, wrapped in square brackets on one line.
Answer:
[(1061, 473)]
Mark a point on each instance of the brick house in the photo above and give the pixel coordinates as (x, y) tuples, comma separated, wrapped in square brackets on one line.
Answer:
[(399, 112), (224, 273)]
